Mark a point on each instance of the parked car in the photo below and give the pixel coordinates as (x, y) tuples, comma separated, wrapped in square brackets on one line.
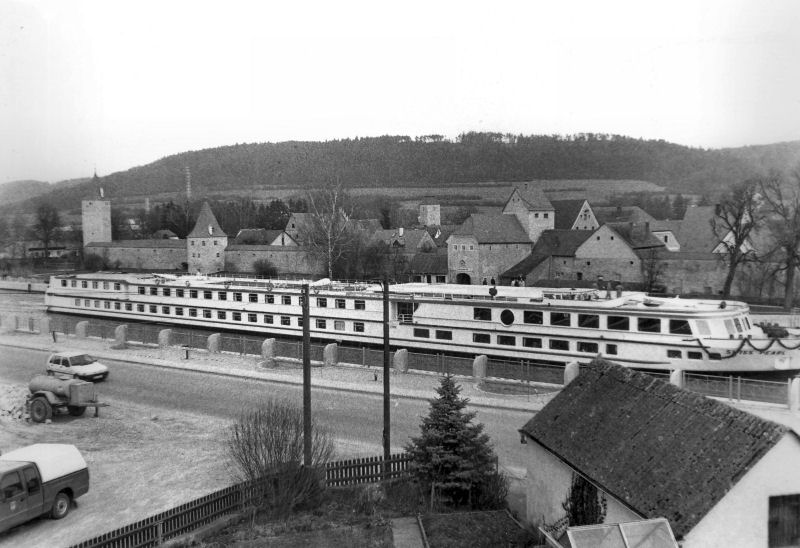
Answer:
[(76, 364), (43, 478)]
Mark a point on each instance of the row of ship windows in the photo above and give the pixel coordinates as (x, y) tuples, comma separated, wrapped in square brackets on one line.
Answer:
[(236, 296), (338, 325), (589, 321), (95, 285)]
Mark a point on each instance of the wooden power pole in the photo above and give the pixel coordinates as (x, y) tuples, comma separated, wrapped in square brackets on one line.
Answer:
[(306, 379)]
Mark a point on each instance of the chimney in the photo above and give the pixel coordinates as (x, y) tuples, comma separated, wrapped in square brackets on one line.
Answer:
[(400, 231)]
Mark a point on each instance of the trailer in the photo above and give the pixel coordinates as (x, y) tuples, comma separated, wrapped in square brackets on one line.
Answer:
[(49, 395)]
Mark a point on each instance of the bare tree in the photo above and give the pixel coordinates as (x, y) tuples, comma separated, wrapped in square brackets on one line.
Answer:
[(327, 230), (652, 268), (46, 226), (782, 202), (736, 217)]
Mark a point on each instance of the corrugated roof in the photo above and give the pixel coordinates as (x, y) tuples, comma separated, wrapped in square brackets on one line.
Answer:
[(205, 220), (566, 212), (493, 228), (661, 450), (152, 243)]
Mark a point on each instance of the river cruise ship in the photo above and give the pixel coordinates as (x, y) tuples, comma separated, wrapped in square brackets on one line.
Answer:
[(538, 324)]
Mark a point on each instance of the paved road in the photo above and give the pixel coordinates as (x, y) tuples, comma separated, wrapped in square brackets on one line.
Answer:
[(354, 418)]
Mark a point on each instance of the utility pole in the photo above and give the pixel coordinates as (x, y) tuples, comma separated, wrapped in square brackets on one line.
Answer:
[(386, 355), (306, 379)]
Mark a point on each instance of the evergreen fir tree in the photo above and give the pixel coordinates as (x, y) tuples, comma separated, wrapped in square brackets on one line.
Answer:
[(453, 454)]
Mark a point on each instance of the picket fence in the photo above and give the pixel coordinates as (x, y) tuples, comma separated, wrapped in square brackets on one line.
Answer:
[(156, 529)]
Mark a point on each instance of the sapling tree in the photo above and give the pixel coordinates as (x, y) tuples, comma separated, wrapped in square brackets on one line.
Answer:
[(453, 456)]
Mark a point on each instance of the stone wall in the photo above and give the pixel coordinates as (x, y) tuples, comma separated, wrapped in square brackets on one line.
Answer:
[(156, 258), (287, 260)]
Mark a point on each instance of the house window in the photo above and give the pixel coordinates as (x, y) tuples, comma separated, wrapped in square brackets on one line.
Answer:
[(531, 342), (588, 347), (422, 333), (220, 314), (340, 303), (192, 242), (560, 318), (237, 316), (482, 314), (591, 321), (286, 299), (784, 521), (619, 323), (268, 318), (444, 335), (203, 243), (358, 327), (338, 325), (360, 305), (545, 215), (321, 324), (215, 242), (649, 325), (286, 320), (440, 279), (507, 340), (535, 215), (558, 344), (481, 338)]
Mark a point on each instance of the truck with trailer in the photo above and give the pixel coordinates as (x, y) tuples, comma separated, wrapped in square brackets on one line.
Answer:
[(40, 479)]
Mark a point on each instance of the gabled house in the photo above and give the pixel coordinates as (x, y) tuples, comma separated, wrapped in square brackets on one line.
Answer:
[(667, 232), (411, 240), (532, 208), (552, 257), (721, 477), (263, 236), (621, 214), (574, 215), (296, 224), (484, 246)]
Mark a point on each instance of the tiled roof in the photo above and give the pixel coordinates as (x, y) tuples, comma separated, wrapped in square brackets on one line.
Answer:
[(493, 228), (566, 212), (204, 220), (429, 263), (525, 266), (411, 238), (695, 232), (533, 196), (560, 243), (443, 232), (661, 450), (621, 214), (636, 235), (153, 243), (256, 236)]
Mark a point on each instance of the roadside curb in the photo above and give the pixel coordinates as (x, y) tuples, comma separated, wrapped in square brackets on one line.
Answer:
[(409, 394)]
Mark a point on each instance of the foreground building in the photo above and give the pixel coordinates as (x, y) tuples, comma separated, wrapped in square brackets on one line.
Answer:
[(721, 476)]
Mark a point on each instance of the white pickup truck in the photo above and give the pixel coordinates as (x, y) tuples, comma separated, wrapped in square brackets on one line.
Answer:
[(43, 478)]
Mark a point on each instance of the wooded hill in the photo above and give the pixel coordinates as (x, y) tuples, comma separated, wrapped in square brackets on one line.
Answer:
[(431, 161)]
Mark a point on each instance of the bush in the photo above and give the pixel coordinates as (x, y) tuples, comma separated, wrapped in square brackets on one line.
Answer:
[(263, 267), (93, 261), (266, 446)]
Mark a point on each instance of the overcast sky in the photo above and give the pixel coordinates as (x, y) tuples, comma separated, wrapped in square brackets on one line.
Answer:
[(115, 84)]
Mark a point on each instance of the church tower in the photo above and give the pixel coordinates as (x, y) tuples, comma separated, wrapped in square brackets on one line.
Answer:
[(206, 243), (96, 216)]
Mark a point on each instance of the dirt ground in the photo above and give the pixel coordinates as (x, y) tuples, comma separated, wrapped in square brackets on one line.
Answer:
[(141, 461)]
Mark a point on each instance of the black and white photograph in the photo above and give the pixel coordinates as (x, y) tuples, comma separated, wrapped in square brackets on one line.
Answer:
[(399, 275)]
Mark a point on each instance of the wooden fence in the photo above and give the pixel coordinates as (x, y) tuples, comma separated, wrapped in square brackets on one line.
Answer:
[(154, 530)]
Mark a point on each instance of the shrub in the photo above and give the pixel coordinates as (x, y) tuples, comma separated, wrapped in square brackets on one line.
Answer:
[(93, 261), (263, 267), (266, 446)]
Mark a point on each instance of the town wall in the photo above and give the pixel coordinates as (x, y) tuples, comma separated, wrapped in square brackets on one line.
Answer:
[(285, 259), (151, 257)]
